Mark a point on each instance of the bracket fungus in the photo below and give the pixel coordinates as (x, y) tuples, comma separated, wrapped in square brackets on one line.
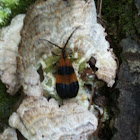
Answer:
[(9, 134), (39, 119), (24, 43)]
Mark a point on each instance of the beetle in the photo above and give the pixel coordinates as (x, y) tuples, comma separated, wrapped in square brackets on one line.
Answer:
[(67, 85)]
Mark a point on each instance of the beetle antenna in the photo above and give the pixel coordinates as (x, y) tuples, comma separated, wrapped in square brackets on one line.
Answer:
[(51, 43), (70, 37)]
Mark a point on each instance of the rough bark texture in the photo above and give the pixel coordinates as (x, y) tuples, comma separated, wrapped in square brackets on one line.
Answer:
[(137, 2), (127, 122)]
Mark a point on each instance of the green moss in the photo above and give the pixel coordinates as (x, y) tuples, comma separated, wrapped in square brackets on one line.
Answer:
[(51, 63), (122, 18), (82, 66), (49, 83), (7, 103), (11, 8)]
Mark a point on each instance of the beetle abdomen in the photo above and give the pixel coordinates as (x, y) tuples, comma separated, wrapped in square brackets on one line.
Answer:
[(67, 90), (67, 85)]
